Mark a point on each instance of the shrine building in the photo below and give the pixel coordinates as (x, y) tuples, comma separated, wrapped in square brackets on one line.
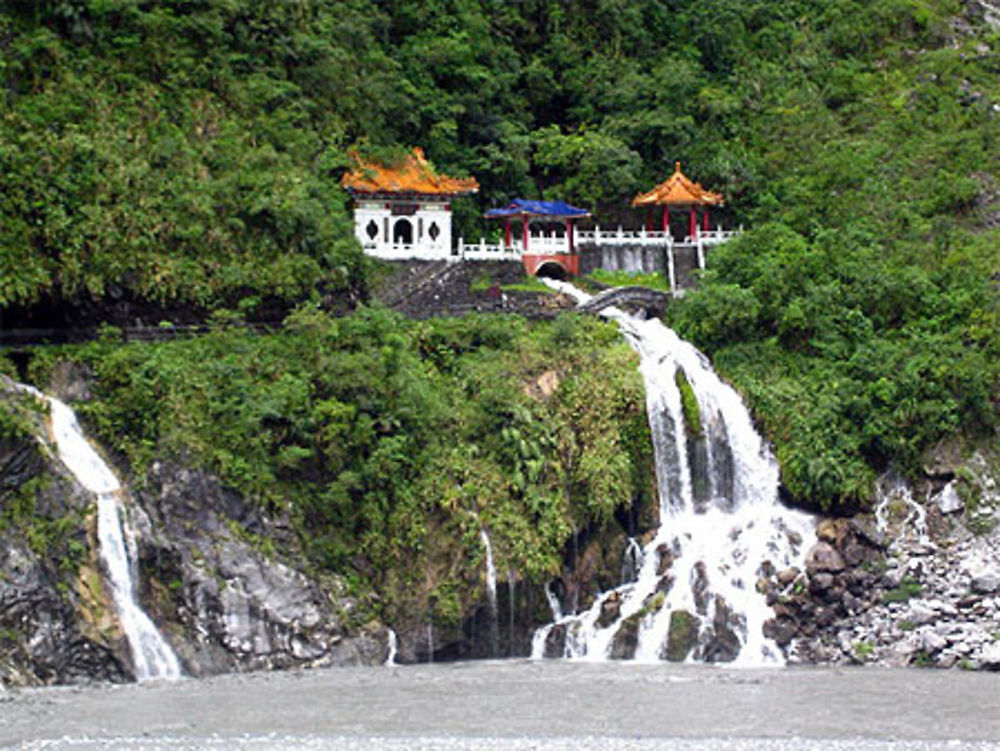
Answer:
[(403, 211)]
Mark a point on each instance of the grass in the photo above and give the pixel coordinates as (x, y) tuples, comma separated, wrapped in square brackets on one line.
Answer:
[(627, 279)]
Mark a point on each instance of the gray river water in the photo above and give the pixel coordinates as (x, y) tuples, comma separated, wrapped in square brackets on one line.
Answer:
[(520, 705)]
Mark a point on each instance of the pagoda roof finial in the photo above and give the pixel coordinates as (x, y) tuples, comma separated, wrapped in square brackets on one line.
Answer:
[(678, 190)]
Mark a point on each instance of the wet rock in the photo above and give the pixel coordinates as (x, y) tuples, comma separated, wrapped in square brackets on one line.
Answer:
[(786, 576), (683, 636), (722, 644), (823, 557), (626, 638), (948, 501), (782, 630), (699, 588), (666, 559), (555, 641), (610, 610)]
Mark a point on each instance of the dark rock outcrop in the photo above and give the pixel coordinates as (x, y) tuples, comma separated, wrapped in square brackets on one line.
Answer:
[(229, 604), (54, 624)]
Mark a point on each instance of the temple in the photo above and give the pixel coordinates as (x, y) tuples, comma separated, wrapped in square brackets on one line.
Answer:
[(403, 211)]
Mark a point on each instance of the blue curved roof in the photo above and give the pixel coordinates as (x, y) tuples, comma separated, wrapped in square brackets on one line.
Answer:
[(520, 206)]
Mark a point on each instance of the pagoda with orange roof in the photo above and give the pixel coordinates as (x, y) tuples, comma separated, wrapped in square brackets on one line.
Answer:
[(402, 211), (679, 191)]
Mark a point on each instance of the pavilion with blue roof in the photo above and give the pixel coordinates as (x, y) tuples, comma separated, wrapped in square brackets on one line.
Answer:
[(561, 253)]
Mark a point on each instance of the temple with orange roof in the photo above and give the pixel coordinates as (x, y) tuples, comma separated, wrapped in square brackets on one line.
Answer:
[(402, 211)]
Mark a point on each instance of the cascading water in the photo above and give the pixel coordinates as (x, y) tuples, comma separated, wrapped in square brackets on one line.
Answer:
[(390, 659), (694, 596), (491, 592), (151, 655)]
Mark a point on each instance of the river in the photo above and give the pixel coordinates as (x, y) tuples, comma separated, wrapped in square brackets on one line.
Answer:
[(519, 704)]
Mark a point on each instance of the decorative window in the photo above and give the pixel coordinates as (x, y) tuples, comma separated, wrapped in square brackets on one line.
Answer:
[(371, 230), (434, 231)]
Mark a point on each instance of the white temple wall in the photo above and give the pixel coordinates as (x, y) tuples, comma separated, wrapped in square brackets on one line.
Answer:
[(411, 231)]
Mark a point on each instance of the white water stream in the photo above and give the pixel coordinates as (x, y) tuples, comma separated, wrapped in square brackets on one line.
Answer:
[(491, 592), (151, 655), (720, 520)]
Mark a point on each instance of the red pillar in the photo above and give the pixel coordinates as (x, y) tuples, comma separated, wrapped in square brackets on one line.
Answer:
[(704, 219), (666, 218), (524, 233), (569, 234), (506, 233), (693, 228)]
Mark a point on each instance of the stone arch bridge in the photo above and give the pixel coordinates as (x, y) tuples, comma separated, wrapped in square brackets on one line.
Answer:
[(651, 300)]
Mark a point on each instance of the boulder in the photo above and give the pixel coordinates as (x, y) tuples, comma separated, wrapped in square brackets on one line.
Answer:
[(948, 501), (683, 636), (989, 657), (986, 582), (823, 557), (827, 531), (787, 576), (610, 610), (781, 629), (626, 639), (820, 582)]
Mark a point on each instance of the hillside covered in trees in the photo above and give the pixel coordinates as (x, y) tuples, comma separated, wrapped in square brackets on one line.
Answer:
[(187, 154)]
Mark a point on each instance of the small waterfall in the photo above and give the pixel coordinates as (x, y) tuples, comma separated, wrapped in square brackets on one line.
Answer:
[(430, 639), (694, 596), (894, 492), (390, 660), (631, 561), (554, 603), (491, 593), (152, 656)]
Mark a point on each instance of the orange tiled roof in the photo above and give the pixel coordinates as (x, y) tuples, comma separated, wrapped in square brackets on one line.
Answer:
[(414, 175), (678, 190)]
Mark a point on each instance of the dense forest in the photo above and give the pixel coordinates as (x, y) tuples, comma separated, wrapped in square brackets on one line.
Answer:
[(189, 153)]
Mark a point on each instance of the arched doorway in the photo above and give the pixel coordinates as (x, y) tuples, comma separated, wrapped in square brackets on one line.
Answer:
[(402, 232), (552, 270)]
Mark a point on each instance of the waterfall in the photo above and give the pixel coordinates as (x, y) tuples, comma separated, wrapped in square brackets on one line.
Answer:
[(491, 593), (390, 659), (151, 655), (694, 596), (893, 491), (631, 561)]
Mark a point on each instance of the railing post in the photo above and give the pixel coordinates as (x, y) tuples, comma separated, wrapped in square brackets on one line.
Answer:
[(701, 254)]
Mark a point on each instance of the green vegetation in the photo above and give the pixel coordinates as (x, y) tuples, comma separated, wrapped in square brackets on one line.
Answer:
[(689, 405), (187, 153), (908, 588), (863, 650), (627, 279), (390, 442)]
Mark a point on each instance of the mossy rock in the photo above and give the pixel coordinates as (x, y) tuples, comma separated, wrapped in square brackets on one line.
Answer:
[(683, 637)]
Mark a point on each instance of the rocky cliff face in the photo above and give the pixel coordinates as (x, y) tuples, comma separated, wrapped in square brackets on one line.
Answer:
[(212, 571), (218, 577), (916, 582), (55, 625)]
